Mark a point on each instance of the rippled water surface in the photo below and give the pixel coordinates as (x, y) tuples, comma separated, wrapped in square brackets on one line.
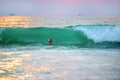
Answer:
[(59, 64)]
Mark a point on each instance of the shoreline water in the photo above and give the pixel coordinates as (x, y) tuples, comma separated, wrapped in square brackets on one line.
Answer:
[(59, 64)]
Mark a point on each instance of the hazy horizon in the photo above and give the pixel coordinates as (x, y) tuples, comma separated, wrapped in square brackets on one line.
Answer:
[(60, 7)]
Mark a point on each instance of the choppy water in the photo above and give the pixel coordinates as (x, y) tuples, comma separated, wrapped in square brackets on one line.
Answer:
[(77, 53), (38, 63)]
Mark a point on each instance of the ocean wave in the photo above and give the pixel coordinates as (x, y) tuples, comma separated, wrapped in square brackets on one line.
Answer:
[(100, 33), (80, 36)]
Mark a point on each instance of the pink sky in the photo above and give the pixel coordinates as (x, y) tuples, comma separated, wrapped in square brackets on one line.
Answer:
[(60, 7)]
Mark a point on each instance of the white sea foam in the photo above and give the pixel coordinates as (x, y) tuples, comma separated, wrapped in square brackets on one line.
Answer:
[(101, 33)]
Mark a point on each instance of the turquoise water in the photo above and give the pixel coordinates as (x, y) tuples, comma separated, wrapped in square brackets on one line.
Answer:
[(77, 36), (77, 53)]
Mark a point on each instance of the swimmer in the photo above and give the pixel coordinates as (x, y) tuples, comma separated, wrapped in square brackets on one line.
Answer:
[(50, 41)]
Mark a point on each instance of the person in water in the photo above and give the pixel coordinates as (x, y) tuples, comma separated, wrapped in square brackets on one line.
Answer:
[(50, 41)]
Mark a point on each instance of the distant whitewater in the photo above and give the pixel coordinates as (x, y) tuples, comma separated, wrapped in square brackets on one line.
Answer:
[(97, 36)]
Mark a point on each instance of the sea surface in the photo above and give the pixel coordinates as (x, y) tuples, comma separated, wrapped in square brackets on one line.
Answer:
[(78, 52)]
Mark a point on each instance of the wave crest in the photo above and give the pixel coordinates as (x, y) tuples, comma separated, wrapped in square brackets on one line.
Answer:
[(80, 36)]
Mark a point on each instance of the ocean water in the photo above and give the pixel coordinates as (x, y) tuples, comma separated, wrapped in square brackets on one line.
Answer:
[(78, 53), (78, 36)]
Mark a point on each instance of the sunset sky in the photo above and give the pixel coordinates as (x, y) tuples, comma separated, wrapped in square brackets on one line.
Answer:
[(60, 7)]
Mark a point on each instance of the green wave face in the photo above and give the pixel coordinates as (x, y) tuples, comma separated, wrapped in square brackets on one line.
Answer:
[(61, 37), (41, 36)]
